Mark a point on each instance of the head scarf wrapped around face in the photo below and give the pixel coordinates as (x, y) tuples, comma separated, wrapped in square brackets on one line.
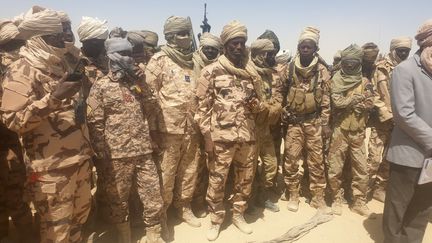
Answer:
[(370, 51), (141, 37), (36, 51), (8, 31), (92, 28), (233, 30), (208, 39), (399, 42), (342, 81), (258, 49), (175, 24), (46, 22), (118, 62), (270, 35), (310, 33), (424, 34)]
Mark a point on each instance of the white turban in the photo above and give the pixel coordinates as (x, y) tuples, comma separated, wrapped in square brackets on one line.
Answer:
[(92, 28), (63, 16), (262, 45), (45, 22), (233, 30), (310, 33), (208, 39), (8, 31), (175, 24), (400, 42)]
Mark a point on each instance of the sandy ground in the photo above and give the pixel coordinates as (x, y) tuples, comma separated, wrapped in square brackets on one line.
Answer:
[(349, 227)]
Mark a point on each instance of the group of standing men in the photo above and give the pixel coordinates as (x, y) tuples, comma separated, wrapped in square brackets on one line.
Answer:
[(158, 123)]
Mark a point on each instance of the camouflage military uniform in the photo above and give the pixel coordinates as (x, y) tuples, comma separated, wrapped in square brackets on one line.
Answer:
[(13, 173), (56, 151), (121, 139), (378, 166), (308, 103), (272, 92), (174, 87), (223, 115), (347, 142)]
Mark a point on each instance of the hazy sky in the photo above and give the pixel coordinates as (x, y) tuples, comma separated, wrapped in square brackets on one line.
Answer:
[(341, 22)]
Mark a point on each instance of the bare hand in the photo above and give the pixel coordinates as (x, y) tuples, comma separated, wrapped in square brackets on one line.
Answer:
[(65, 88)]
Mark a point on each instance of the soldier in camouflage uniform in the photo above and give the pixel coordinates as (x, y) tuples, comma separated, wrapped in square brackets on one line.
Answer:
[(144, 44), (170, 74), (208, 52), (13, 173), (227, 105), (382, 124), (306, 96), (92, 33), (121, 140), (352, 101), (38, 103), (263, 60)]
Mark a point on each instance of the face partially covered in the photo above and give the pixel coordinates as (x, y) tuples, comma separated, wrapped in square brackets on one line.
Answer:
[(210, 52), (67, 31), (93, 47), (350, 66), (55, 40), (403, 52)]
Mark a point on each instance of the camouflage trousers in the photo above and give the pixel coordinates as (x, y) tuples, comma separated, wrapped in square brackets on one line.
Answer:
[(344, 144), (242, 156), (304, 142), (116, 180), (378, 166), (12, 180), (203, 177), (265, 151), (179, 167), (62, 198)]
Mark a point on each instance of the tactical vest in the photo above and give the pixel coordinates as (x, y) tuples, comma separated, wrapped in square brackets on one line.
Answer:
[(301, 101)]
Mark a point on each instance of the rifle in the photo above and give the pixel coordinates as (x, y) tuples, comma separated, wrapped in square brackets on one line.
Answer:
[(194, 43), (205, 26)]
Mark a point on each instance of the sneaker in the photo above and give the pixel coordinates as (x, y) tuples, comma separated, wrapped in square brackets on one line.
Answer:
[(363, 210)]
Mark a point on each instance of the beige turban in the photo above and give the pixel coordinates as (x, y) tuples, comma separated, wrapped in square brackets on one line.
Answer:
[(208, 39), (310, 33), (175, 24), (283, 57), (142, 37), (63, 16), (262, 45), (42, 23), (400, 42), (8, 31), (352, 52), (92, 28), (370, 51), (424, 34), (233, 30)]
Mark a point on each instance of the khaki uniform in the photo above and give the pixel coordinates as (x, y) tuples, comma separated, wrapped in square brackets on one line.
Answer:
[(121, 139), (56, 151), (222, 114), (272, 92), (378, 166), (309, 102), (347, 142), (13, 173), (174, 87)]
